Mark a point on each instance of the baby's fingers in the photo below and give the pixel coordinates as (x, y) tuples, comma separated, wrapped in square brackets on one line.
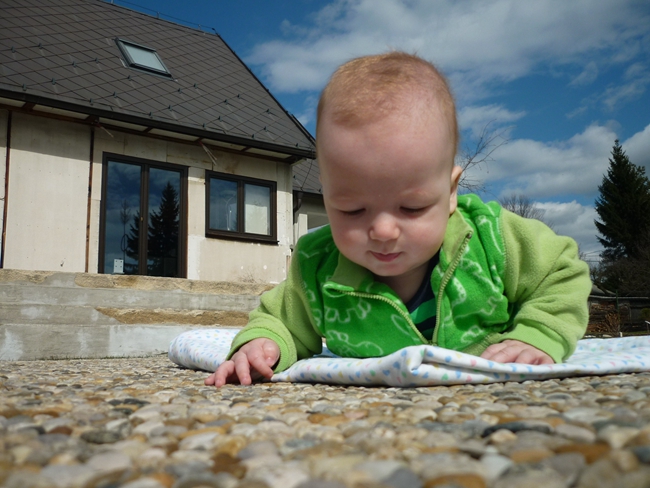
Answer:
[(512, 351), (260, 365), (242, 368), (221, 375), (493, 351), (534, 356)]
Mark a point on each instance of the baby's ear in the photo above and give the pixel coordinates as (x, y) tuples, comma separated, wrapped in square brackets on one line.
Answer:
[(456, 173)]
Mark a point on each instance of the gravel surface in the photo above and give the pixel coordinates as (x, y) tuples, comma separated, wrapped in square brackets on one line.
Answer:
[(146, 423)]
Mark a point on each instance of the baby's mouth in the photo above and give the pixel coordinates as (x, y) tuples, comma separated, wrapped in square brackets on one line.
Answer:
[(385, 257)]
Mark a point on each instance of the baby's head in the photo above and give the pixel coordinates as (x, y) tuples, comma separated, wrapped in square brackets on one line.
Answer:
[(386, 140), (368, 88)]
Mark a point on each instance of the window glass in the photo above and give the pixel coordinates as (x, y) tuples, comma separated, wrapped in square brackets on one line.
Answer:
[(141, 225), (122, 241), (223, 204), (144, 57), (239, 207), (164, 219), (257, 207)]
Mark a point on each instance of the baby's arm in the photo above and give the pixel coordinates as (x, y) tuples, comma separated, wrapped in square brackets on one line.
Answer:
[(259, 355), (513, 351), (547, 284)]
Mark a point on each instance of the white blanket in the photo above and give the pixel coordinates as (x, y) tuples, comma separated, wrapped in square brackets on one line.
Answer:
[(422, 365)]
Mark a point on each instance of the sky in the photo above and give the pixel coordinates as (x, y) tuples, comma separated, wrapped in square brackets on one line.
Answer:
[(555, 82)]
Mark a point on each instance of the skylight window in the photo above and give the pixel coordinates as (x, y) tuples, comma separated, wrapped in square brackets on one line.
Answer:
[(142, 58)]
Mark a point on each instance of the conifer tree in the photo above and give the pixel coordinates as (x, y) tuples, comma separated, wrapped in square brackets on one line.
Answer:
[(132, 248), (623, 206), (163, 230)]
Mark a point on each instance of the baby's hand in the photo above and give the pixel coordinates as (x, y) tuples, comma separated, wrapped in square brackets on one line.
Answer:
[(512, 351), (258, 355)]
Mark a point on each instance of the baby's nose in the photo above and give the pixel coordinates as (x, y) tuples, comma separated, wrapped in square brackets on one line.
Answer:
[(384, 228)]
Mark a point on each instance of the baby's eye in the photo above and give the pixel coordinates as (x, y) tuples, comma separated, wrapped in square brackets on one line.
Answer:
[(413, 211), (352, 213)]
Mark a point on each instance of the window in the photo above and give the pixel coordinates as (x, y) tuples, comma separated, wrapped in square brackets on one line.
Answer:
[(240, 208), (142, 58), (142, 229)]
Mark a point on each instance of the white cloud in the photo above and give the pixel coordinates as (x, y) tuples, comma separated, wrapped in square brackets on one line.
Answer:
[(574, 220), (547, 170), (579, 111), (615, 95), (308, 113), (635, 71), (637, 149), (476, 43), (636, 79), (476, 118), (550, 171), (588, 75), (632, 85)]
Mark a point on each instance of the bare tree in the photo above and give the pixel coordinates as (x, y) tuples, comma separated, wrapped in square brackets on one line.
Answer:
[(522, 206), (470, 156)]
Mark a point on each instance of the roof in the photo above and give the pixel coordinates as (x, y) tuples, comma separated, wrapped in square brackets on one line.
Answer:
[(62, 56), (306, 177)]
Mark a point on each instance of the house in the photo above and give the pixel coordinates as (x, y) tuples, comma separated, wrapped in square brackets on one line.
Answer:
[(134, 145), (309, 209)]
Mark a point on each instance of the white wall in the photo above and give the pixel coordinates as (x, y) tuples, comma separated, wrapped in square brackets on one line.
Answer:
[(48, 200), (228, 260), (48, 195), (311, 215)]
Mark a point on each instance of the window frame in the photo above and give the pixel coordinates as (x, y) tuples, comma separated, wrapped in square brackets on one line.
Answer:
[(240, 234), (123, 44), (145, 166)]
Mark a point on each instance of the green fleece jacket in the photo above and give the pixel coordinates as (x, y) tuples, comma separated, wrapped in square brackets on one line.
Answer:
[(499, 277)]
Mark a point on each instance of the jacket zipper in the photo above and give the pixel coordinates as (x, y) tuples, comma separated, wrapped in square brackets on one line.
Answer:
[(406, 316), (445, 279)]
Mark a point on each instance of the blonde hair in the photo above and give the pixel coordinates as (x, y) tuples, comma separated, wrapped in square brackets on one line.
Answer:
[(369, 87)]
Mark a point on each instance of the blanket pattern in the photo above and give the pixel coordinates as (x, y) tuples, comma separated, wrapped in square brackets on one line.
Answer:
[(205, 349)]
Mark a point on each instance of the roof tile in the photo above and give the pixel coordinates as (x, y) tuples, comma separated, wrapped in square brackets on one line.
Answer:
[(84, 32)]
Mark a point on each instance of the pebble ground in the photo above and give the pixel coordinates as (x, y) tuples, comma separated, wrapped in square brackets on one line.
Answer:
[(146, 423)]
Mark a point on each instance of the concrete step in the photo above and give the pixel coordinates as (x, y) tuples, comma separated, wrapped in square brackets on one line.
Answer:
[(125, 291), (34, 314), (45, 315), (24, 342), (122, 298)]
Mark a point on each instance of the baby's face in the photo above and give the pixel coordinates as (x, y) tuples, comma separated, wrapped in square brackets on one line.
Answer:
[(389, 189)]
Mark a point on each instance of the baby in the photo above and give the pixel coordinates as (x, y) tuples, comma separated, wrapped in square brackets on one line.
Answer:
[(406, 260)]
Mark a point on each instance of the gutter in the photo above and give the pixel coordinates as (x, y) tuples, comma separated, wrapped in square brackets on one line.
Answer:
[(307, 153)]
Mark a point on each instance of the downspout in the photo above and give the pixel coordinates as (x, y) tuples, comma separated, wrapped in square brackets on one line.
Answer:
[(90, 193), (297, 204), (6, 199)]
